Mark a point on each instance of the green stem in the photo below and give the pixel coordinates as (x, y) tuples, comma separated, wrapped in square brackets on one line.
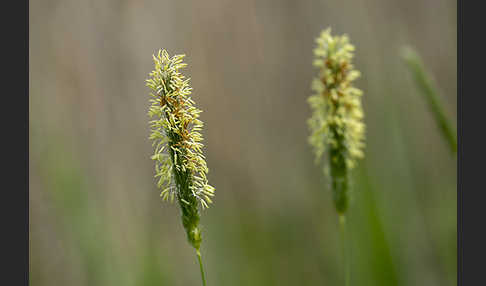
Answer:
[(431, 95), (201, 267), (339, 173), (346, 268)]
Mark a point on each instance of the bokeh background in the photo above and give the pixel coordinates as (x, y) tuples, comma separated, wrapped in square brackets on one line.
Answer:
[(95, 213)]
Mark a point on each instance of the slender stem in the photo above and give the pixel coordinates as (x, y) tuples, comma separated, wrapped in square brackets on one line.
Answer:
[(429, 91), (201, 267), (346, 268)]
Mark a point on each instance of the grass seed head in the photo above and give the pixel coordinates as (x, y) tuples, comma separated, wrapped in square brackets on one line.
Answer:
[(337, 116), (175, 132)]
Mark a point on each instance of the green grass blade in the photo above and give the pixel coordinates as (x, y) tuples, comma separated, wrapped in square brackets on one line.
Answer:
[(430, 94)]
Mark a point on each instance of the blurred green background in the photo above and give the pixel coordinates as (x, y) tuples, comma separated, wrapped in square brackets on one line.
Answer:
[(95, 213)]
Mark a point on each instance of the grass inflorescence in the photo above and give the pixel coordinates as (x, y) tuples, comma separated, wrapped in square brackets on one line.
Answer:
[(179, 161), (336, 123)]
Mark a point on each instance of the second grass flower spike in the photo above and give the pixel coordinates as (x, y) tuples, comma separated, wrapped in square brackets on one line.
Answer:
[(336, 123)]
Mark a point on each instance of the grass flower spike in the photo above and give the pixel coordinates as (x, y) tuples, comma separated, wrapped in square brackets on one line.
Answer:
[(336, 123), (179, 161)]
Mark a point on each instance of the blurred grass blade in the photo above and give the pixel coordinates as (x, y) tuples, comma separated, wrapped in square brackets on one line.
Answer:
[(383, 267), (430, 94)]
